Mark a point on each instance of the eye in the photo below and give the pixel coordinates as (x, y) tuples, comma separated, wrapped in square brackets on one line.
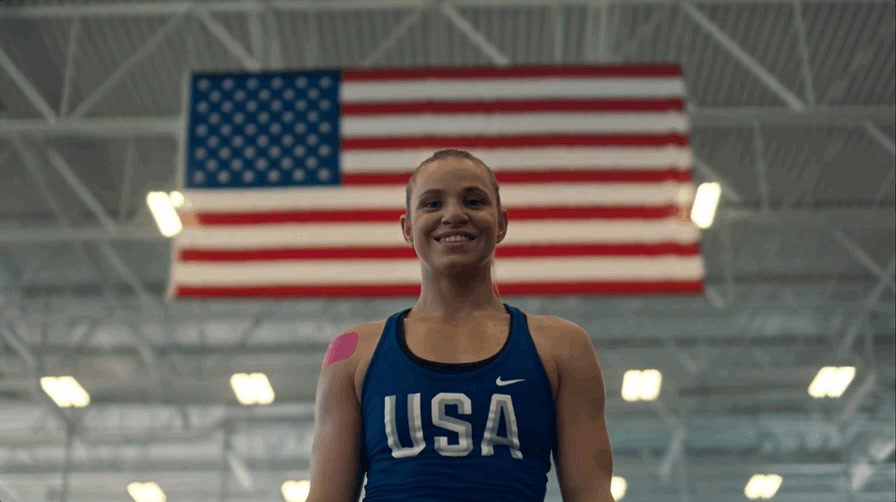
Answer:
[(468, 200)]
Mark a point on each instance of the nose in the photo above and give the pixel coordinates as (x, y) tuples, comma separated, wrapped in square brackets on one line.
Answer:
[(454, 213)]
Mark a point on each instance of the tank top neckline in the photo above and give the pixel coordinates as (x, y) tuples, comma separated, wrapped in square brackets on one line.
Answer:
[(448, 367)]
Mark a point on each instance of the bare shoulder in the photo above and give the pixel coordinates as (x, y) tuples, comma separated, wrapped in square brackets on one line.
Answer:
[(368, 336), (563, 336)]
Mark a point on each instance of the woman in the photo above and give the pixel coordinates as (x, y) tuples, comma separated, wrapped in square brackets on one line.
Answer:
[(460, 397)]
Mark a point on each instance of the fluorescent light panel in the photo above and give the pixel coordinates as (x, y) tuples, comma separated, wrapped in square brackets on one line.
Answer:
[(831, 381), (295, 491), (252, 388), (163, 212), (176, 198), (641, 385), (65, 391), (706, 201), (618, 487), (146, 492), (762, 486)]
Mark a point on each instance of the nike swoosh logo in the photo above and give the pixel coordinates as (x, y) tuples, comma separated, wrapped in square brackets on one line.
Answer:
[(507, 382)]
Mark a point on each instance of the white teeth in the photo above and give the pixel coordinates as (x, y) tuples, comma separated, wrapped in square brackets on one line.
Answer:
[(456, 238)]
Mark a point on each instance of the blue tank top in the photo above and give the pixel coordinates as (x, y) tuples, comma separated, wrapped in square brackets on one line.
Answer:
[(456, 432)]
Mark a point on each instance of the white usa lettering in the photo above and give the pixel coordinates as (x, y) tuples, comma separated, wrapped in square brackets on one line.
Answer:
[(501, 406)]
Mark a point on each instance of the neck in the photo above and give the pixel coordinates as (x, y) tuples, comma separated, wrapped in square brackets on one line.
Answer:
[(454, 300)]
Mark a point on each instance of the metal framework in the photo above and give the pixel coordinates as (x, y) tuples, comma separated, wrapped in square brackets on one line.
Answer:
[(795, 278)]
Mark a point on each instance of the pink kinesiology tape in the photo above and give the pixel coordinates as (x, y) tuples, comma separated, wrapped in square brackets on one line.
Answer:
[(341, 347)]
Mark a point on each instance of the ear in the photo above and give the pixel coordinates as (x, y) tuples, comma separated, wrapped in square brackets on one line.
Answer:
[(502, 225), (406, 229)]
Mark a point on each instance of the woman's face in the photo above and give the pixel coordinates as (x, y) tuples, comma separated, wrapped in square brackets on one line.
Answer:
[(453, 195)]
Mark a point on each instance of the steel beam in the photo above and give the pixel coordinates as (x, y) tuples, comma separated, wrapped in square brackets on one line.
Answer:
[(101, 127), (878, 450), (67, 465), (761, 168), (719, 465), (700, 118), (122, 69), (878, 135), (8, 491), (888, 144), (741, 55), (649, 27), (673, 454), (125, 194), (857, 61), (221, 33), (849, 337), (257, 38), (478, 39), (26, 86), (70, 53), (800, 27), (198, 494), (80, 189), (393, 37), (127, 274), (885, 187), (604, 54), (311, 39), (728, 265), (10, 333), (558, 16), (239, 469), (275, 46), (862, 257), (855, 399), (589, 42), (107, 222), (152, 8), (808, 218)]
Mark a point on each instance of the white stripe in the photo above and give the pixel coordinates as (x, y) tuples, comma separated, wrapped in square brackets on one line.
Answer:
[(312, 235), (466, 124), (347, 272), (374, 160), (358, 91), (361, 197)]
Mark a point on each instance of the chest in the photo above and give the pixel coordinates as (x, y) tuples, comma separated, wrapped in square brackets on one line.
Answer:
[(459, 344)]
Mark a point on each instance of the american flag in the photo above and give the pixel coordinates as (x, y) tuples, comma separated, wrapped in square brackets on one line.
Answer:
[(294, 181)]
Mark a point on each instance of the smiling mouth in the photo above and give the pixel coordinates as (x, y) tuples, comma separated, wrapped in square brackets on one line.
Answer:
[(454, 241)]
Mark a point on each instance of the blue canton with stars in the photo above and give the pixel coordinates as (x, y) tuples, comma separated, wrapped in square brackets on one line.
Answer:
[(253, 130)]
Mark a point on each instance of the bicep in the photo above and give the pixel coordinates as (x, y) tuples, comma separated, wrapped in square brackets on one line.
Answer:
[(583, 457), (335, 451)]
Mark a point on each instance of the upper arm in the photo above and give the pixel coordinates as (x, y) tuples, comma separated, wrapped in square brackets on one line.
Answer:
[(335, 451), (583, 455)]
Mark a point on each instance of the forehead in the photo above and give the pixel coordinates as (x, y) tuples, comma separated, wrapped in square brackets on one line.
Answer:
[(451, 174)]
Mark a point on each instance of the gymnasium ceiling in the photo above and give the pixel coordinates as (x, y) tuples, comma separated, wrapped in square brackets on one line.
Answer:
[(792, 110)]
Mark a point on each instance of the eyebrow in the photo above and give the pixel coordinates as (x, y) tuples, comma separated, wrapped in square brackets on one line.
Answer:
[(467, 189)]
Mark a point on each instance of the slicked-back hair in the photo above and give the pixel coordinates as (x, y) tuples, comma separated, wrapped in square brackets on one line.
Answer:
[(450, 153)]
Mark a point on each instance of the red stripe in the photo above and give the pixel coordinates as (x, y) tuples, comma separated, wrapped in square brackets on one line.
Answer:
[(473, 72), (413, 289), (521, 141), (405, 252), (392, 215), (567, 175), (513, 106)]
